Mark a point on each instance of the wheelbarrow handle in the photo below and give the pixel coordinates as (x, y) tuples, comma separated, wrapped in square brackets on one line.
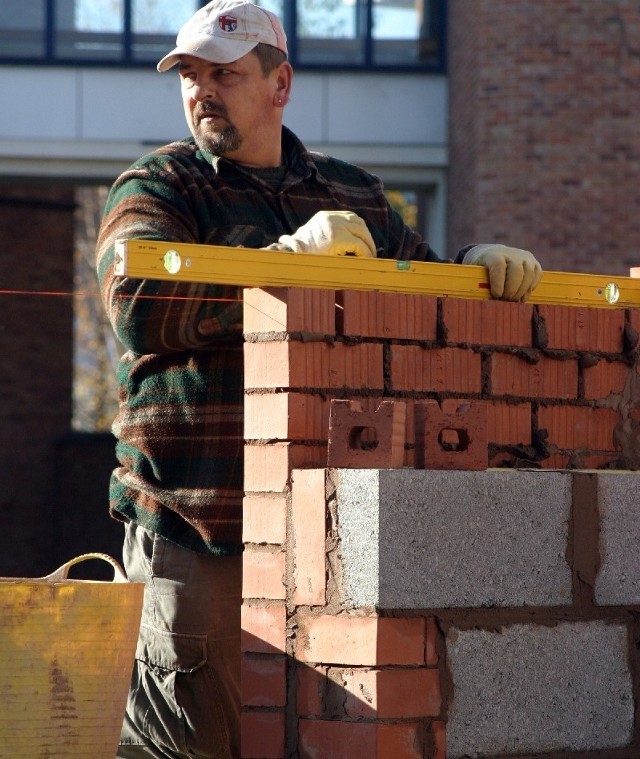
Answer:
[(62, 572)]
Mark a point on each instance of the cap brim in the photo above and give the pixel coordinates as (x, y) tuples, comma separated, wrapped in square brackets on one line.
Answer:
[(209, 49)]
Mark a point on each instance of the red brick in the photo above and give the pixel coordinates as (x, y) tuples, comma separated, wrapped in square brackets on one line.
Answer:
[(605, 378), (264, 628), (264, 518), (454, 370), (282, 364), (285, 416), (508, 423), (401, 741), (583, 328), (634, 320), (389, 315), (402, 693), (323, 739), (289, 309), (360, 641), (460, 423), (401, 641), (432, 635), (311, 684), (358, 693), (547, 378), (487, 322), (439, 738), (556, 461), (267, 467), (263, 735), (578, 426), (347, 424), (264, 680), (307, 547), (263, 574)]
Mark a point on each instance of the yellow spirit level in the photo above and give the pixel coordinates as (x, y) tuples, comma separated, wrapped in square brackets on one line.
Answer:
[(249, 267)]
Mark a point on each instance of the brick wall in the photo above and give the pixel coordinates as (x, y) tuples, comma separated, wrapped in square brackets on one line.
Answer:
[(544, 147), (358, 637), (36, 344)]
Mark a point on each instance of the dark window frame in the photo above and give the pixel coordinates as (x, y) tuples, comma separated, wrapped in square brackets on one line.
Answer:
[(128, 39)]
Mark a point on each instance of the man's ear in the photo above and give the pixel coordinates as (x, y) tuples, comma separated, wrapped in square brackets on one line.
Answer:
[(283, 84)]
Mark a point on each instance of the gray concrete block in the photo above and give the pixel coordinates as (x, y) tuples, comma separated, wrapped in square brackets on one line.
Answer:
[(529, 689), (442, 539), (618, 581)]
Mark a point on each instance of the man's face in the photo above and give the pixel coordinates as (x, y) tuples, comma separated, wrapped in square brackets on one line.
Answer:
[(227, 106)]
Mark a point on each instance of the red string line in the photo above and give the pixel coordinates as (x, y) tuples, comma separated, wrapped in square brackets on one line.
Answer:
[(63, 294)]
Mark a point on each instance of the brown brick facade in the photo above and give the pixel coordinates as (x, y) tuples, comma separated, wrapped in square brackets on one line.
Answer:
[(544, 145)]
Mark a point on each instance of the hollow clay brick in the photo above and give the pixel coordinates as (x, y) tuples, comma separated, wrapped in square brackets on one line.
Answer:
[(605, 378), (487, 322), (289, 309), (284, 364), (453, 370), (547, 378), (264, 680), (572, 427), (583, 328), (401, 316), (453, 436), (347, 424), (307, 547), (508, 423)]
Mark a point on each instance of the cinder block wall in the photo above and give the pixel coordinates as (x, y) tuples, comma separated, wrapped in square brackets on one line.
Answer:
[(543, 140), (419, 613)]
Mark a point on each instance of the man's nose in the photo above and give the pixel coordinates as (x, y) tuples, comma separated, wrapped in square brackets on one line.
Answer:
[(203, 90)]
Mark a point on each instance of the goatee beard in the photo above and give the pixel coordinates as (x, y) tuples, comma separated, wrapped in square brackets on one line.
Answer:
[(227, 140), (219, 142)]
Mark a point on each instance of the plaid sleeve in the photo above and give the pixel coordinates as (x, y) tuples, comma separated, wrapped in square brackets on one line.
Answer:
[(150, 201)]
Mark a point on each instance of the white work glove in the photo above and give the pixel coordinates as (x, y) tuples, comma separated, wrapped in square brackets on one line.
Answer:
[(332, 233), (513, 273)]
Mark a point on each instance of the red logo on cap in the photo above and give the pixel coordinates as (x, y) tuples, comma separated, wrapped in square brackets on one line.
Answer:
[(228, 23)]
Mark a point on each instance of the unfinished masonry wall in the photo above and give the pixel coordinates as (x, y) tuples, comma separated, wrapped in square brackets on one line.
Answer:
[(412, 612)]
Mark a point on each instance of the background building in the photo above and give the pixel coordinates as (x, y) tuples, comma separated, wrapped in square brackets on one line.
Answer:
[(489, 119)]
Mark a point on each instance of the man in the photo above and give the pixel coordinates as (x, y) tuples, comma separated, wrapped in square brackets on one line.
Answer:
[(242, 179)]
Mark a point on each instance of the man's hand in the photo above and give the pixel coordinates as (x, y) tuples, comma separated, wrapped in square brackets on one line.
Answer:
[(513, 273), (332, 233)]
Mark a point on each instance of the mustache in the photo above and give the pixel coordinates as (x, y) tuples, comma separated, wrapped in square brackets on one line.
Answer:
[(209, 108)]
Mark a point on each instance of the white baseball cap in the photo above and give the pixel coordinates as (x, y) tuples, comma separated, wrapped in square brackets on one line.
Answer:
[(225, 30)]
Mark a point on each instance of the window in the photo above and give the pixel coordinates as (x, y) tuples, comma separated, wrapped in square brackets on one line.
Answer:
[(345, 34)]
